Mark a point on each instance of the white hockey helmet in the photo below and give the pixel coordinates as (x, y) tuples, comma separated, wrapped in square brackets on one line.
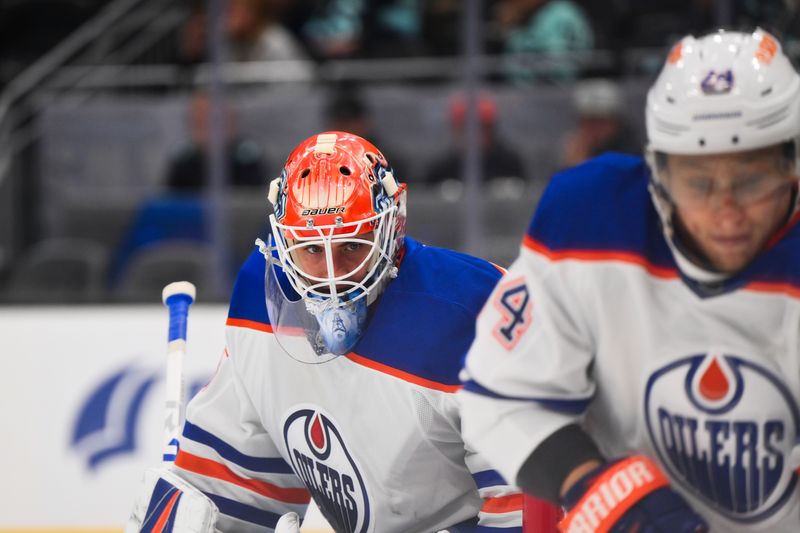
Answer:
[(724, 92), (721, 93)]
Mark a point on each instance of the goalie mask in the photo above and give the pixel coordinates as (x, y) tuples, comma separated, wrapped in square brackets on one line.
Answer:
[(337, 228)]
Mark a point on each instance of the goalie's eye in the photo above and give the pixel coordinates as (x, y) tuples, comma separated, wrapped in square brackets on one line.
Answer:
[(352, 246)]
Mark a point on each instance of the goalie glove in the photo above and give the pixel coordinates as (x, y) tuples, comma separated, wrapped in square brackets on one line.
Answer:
[(168, 500), (631, 494)]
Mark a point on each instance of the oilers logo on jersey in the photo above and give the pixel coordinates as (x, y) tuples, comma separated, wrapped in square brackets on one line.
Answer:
[(321, 459), (724, 427)]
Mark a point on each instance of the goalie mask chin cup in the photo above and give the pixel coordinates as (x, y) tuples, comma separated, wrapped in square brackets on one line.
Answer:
[(340, 327)]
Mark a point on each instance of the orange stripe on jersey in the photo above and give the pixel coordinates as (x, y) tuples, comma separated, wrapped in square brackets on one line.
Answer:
[(158, 527), (498, 267), (405, 376), (502, 504), (249, 324), (600, 255), (779, 288), (209, 468), (261, 326)]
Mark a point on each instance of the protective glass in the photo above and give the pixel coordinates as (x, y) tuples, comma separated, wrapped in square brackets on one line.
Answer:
[(707, 191)]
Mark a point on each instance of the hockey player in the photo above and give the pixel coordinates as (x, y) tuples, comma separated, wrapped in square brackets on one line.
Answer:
[(640, 361), (344, 343)]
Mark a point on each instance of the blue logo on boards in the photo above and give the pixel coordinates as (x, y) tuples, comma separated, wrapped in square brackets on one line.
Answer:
[(321, 459), (106, 423), (724, 428)]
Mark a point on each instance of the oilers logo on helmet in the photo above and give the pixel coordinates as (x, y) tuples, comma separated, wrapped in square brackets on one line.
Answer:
[(321, 459), (381, 200), (279, 206), (717, 82), (728, 437)]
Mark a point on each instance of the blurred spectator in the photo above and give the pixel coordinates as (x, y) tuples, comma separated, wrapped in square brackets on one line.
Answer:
[(658, 23), (550, 27), (347, 110), (500, 162), (374, 28), (187, 170), (30, 28), (442, 27), (601, 123), (254, 30)]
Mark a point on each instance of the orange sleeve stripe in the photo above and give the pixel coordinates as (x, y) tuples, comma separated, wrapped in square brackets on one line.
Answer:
[(249, 324), (262, 326), (600, 255), (209, 468), (502, 504), (400, 374)]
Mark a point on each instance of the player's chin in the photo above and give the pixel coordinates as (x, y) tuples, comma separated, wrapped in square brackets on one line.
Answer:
[(730, 259)]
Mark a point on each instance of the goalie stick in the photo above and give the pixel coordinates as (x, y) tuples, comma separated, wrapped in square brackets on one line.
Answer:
[(177, 296)]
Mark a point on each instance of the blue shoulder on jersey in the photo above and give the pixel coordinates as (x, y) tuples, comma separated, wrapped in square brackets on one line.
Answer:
[(248, 301), (423, 323), (601, 205), (425, 320), (779, 264)]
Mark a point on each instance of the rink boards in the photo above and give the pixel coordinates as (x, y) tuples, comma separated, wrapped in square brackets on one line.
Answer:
[(82, 408)]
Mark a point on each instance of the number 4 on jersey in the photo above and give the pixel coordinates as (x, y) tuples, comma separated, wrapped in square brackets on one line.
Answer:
[(514, 303)]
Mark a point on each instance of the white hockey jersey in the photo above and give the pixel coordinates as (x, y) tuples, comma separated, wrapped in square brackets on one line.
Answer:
[(372, 436), (594, 323)]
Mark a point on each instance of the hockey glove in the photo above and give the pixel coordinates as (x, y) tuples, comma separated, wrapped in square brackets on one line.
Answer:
[(627, 495), (168, 500)]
